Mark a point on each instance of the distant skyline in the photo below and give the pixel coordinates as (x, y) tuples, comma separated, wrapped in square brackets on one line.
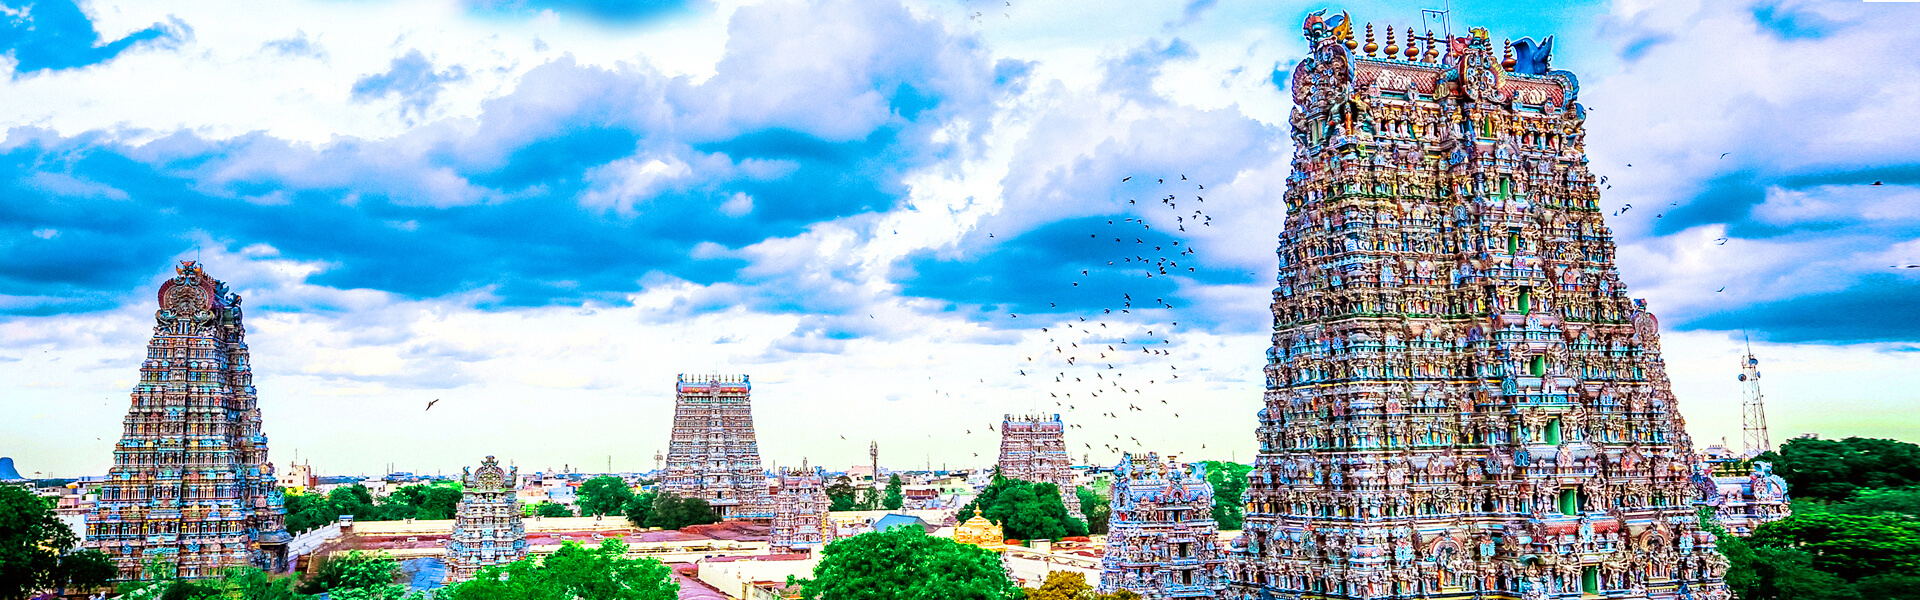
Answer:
[(540, 211)]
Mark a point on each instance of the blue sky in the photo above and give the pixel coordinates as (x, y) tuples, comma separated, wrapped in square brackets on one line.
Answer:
[(539, 211)]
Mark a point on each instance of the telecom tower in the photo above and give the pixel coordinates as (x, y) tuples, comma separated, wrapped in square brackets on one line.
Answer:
[(1753, 420)]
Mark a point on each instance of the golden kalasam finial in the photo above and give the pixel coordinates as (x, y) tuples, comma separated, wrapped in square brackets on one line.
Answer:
[(1507, 62), (1392, 48), (1411, 50), (1371, 47), (1431, 52)]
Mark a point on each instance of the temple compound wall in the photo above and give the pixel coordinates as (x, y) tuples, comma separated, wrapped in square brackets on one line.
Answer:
[(799, 507), (1461, 399), (190, 487), (712, 453), (1033, 448), (1162, 541), (487, 527)]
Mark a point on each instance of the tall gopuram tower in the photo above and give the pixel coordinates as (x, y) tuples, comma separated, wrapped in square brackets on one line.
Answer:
[(712, 453), (1462, 401), (190, 485), (486, 524), (1033, 448), (799, 505), (1162, 541)]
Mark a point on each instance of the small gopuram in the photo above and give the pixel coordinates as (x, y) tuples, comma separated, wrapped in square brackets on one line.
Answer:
[(1162, 541), (1742, 493), (799, 505), (1461, 399), (190, 485), (1033, 447), (978, 531), (486, 525), (712, 453)]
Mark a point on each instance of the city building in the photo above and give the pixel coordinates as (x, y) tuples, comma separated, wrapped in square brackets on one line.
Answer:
[(799, 508), (1162, 541), (1033, 447), (712, 453), (190, 487), (487, 527), (1462, 400), (297, 479)]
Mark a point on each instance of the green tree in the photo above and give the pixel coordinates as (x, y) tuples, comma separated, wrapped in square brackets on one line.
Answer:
[(1790, 574), (1024, 510), (1849, 546), (1061, 585), (1833, 470), (674, 512), (549, 509), (904, 563), (424, 501), (841, 495), (572, 572), (1096, 506), (1229, 481), (896, 495), (639, 510), (37, 550), (251, 583), (164, 583), (353, 570), (604, 495), (1869, 502), (869, 499)]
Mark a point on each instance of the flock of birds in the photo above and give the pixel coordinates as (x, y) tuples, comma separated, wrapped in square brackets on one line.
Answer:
[(1107, 363)]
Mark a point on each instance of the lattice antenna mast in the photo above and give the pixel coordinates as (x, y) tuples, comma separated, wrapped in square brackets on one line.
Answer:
[(873, 452), (1753, 419), (1440, 16)]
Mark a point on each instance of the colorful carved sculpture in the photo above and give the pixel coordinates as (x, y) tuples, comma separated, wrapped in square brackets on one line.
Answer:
[(487, 527), (190, 486), (1034, 448), (1162, 541), (712, 453), (1461, 399)]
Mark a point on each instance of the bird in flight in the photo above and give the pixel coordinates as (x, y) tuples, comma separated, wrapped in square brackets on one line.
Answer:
[(430, 404)]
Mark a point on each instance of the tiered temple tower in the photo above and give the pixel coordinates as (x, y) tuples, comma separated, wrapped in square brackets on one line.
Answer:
[(1034, 448), (712, 453), (799, 505), (1162, 541), (486, 525), (1461, 399), (190, 485)]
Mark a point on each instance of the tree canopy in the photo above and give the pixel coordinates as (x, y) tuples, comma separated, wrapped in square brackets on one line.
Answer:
[(669, 511), (1025, 510), (604, 495), (572, 572), (549, 509), (896, 496), (904, 563), (1097, 506), (1229, 481), (436, 500), (37, 551), (1070, 585), (1832, 470), (841, 494)]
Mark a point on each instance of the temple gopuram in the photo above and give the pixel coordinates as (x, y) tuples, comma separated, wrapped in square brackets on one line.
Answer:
[(190, 487), (799, 508), (712, 453), (1034, 448), (487, 529), (1162, 541), (1462, 401)]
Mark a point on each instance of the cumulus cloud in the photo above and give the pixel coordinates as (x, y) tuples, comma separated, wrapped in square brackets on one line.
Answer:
[(1776, 169), (56, 35), (412, 78)]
